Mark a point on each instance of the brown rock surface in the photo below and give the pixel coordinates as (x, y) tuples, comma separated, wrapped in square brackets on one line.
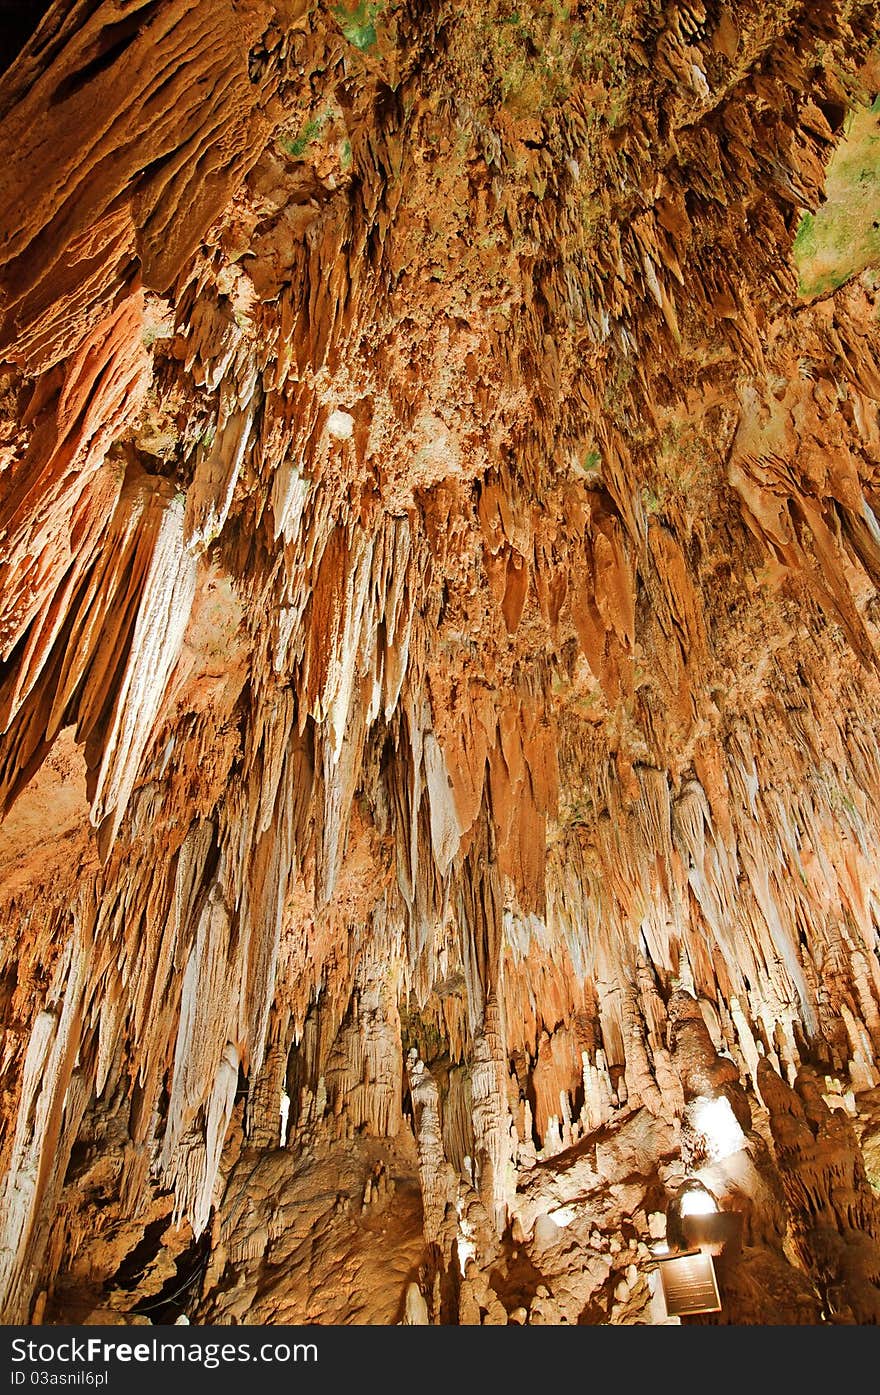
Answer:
[(438, 661)]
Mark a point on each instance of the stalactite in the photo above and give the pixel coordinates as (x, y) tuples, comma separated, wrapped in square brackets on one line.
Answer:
[(457, 630)]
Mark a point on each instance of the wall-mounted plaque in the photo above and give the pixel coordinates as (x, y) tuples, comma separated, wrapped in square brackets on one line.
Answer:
[(689, 1284)]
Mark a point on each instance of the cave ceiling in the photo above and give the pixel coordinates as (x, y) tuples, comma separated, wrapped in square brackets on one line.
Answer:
[(439, 634)]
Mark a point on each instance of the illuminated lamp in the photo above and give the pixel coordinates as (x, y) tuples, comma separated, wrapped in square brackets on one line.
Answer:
[(696, 1221), (695, 1199)]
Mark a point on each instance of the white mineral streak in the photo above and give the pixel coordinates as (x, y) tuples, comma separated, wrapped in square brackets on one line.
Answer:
[(158, 633), (200, 1082), (289, 494), (266, 877), (161, 947), (711, 875), (218, 1114), (747, 1044), (416, 1309), (446, 830), (408, 858), (337, 694), (48, 1066), (217, 469), (340, 780), (783, 939), (395, 588), (109, 1031), (494, 1141), (260, 920), (598, 1106)]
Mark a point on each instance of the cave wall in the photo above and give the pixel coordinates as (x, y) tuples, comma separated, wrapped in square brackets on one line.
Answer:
[(438, 551)]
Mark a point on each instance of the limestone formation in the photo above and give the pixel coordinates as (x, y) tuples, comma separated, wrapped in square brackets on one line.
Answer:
[(439, 658)]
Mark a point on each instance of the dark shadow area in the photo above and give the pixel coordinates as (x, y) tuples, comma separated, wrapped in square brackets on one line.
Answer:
[(18, 21)]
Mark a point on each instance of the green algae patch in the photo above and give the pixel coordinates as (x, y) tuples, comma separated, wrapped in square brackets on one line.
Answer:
[(358, 25), (843, 237)]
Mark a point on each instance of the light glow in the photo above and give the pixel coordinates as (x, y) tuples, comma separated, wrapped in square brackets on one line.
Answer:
[(698, 1202), (466, 1250), (284, 1112), (717, 1122), (465, 1246)]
